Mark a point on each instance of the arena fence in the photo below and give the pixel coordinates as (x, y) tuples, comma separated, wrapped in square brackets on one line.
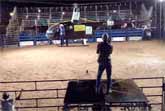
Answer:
[(2, 40), (130, 33), (153, 91), (48, 95), (6, 41)]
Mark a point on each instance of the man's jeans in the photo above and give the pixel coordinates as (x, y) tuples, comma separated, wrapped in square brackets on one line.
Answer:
[(62, 39), (104, 65)]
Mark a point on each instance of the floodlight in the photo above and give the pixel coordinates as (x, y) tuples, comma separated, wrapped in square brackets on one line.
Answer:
[(39, 10), (27, 16), (114, 11), (63, 13), (38, 16), (11, 14), (161, 0)]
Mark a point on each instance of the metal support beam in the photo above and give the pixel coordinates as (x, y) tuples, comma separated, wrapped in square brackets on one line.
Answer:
[(160, 18), (130, 7)]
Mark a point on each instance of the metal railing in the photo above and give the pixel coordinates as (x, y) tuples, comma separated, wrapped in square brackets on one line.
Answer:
[(35, 88), (36, 93), (159, 87), (2, 40)]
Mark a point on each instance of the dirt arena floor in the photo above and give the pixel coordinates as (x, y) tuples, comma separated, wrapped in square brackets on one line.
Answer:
[(133, 59), (129, 60)]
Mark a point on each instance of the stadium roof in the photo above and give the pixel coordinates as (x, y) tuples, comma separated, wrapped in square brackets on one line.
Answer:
[(56, 2), (43, 3)]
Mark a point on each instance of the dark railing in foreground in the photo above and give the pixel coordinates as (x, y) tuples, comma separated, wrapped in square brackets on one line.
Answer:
[(36, 89), (161, 87), (57, 89)]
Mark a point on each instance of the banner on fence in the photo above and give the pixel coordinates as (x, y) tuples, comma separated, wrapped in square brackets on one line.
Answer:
[(79, 28), (89, 30)]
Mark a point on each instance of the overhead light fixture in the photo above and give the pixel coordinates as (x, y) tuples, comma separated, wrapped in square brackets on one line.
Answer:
[(11, 14), (114, 11), (27, 16), (63, 13), (161, 0), (39, 10), (38, 16)]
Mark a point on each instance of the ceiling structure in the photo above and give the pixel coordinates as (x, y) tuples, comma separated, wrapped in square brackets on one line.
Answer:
[(65, 2), (6, 6), (69, 1)]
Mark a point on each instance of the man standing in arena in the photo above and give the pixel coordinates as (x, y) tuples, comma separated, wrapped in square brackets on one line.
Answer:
[(104, 49), (62, 34)]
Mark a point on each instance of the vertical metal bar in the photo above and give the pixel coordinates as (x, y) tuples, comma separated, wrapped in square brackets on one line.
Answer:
[(27, 13), (1, 40), (130, 8), (50, 13), (16, 109), (57, 97), (36, 104), (119, 9), (163, 97), (160, 15), (35, 85), (4, 40), (163, 17), (78, 107), (107, 8), (57, 93), (15, 94), (58, 108), (0, 13), (156, 18), (36, 29), (85, 13), (36, 99), (62, 14)]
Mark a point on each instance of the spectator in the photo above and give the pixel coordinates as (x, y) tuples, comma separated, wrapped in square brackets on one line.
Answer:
[(7, 103)]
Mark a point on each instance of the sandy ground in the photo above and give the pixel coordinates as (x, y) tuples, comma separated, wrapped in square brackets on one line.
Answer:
[(129, 60)]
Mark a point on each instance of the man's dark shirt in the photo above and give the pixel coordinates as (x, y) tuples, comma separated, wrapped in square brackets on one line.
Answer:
[(104, 50)]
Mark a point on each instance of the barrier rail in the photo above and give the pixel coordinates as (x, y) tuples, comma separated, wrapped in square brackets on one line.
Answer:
[(120, 32), (152, 87), (6, 41), (2, 40), (36, 93), (98, 33), (35, 88), (34, 39)]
